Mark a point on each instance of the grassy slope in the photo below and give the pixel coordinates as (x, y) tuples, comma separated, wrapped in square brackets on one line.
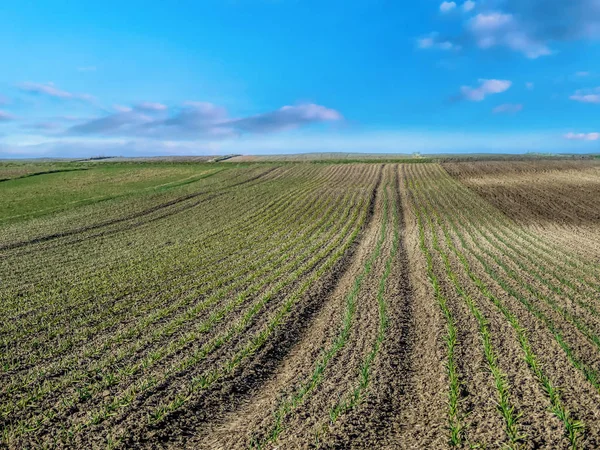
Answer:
[(40, 189)]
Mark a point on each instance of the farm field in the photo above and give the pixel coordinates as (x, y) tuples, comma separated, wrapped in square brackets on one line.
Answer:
[(233, 305)]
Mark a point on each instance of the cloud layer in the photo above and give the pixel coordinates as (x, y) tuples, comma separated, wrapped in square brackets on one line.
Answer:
[(150, 106), (50, 90), (508, 108), (485, 88), (469, 5), (535, 24), (5, 117), (557, 20), (502, 29), (447, 6), (529, 27), (586, 95), (582, 136), (200, 120), (433, 41)]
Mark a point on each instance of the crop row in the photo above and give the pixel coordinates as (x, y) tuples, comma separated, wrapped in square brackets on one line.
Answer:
[(548, 306), (171, 328), (165, 289), (287, 258), (307, 386), (443, 214)]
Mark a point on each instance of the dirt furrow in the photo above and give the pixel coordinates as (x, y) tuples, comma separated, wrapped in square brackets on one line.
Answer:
[(236, 428), (395, 411), (315, 419), (552, 358)]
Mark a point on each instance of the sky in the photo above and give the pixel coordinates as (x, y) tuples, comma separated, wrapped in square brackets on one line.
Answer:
[(144, 78)]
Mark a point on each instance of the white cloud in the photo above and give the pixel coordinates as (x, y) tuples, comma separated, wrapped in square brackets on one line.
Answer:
[(51, 90), (556, 20), (427, 42), (69, 118), (201, 120), (486, 23), (150, 106), (43, 126), (469, 5), (531, 48), (5, 117), (447, 45), (528, 26), (582, 74), (87, 69), (121, 108), (586, 95), (119, 123), (582, 136), (507, 108), (486, 87), (287, 117), (433, 42), (47, 89), (529, 85), (501, 29), (586, 98), (447, 6)]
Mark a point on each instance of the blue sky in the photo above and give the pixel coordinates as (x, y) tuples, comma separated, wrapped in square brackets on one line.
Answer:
[(286, 76)]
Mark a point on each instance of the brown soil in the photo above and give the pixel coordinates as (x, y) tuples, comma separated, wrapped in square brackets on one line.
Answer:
[(236, 428), (554, 360), (558, 199), (528, 231), (405, 405)]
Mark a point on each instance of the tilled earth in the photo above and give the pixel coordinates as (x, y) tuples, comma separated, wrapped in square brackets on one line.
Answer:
[(310, 306)]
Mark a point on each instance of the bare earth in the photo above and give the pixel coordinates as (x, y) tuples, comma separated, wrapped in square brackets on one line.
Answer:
[(380, 305)]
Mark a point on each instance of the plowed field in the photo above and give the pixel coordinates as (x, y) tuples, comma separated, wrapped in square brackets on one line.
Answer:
[(226, 306)]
